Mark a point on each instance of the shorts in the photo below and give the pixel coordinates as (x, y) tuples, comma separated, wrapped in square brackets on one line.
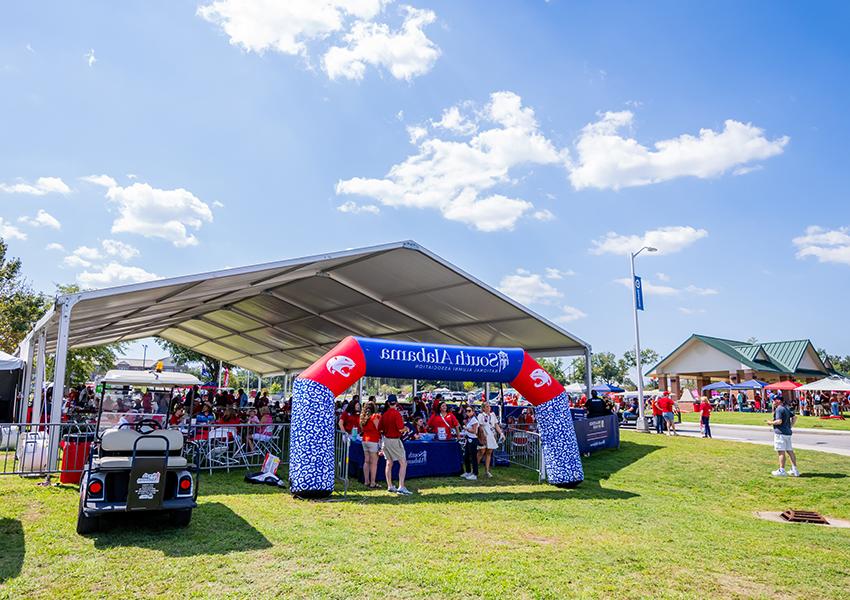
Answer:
[(668, 416), (782, 443), (370, 447), (394, 450)]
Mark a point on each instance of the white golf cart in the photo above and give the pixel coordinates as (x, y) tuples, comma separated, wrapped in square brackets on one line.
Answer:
[(136, 462)]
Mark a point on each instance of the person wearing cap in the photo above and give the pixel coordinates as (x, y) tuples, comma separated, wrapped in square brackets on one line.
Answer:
[(392, 427)]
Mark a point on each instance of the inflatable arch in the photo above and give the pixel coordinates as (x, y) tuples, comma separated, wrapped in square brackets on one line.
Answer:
[(311, 449)]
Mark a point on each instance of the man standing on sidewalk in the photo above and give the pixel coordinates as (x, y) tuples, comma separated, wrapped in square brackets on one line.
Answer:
[(783, 420)]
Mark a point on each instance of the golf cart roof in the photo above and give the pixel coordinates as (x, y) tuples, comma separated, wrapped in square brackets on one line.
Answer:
[(150, 378)]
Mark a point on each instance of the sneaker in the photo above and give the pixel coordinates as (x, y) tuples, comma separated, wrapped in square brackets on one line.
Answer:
[(403, 491), (465, 476), (472, 477), (489, 474), (779, 473), (795, 472), (392, 489)]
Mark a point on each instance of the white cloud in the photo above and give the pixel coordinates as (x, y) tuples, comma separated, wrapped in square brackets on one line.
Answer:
[(347, 31), (406, 53), (528, 288), (543, 214), (457, 177), (113, 274), (155, 213), (354, 208), (10, 232), (569, 314), (41, 219), (667, 239), (667, 290), (119, 249), (218, 204), (453, 120), (76, 262), (662, 276), (826, 245), (691, 311), (607, 160), (416, 133), (42, 186), (55, 246), (104, 180), (90, 58), (552, 273)]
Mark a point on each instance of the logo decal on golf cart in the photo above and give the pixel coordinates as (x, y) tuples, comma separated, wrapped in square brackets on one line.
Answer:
[(149, 478)]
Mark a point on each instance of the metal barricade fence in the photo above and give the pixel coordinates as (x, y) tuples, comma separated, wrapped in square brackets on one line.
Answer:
[(25, 447), (342, 443), (524, 449)]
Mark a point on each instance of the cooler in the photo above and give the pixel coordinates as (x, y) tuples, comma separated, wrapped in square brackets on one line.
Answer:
[(75, 454)]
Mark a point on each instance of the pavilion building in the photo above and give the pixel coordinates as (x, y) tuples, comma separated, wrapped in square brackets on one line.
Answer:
[(701, 360)]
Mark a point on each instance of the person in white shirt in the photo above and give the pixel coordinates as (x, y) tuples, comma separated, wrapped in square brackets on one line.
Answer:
[(470, 448), (489, 423)]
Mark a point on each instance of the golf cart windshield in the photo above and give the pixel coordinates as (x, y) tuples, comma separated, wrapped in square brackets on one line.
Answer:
[(128, 397)]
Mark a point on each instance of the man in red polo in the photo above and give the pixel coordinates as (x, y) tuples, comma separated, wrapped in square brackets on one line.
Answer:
[(656, 416), (392, 427)]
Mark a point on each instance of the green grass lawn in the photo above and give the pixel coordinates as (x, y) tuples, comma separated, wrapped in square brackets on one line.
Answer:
[(736, 418), (661, 517)]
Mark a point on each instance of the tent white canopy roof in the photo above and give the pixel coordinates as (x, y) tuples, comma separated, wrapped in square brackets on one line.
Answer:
[(277, 317), (9, 362), (834, 383)]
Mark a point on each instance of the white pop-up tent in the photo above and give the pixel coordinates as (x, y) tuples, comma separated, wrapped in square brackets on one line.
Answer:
[(9, 362), (833, 383)]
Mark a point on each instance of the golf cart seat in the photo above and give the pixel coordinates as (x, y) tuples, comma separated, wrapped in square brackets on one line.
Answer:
[(125, 462), (115, 441)]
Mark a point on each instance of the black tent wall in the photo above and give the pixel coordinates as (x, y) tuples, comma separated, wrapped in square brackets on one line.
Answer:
[(8, 387)]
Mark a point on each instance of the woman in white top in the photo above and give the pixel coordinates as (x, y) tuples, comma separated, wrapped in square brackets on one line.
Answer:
[(489, 424)]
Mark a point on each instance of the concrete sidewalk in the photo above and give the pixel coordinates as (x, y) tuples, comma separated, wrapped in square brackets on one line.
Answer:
[(803, 439)]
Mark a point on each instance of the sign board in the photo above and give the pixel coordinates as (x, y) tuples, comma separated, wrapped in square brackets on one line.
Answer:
[(146, 488), (638, 293)]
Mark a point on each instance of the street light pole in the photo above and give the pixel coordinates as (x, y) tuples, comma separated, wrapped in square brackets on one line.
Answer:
[(641, 422)]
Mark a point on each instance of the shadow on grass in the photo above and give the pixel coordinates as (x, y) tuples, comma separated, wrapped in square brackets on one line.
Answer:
[(215, 529), (598, 467), (12, 543), (824, 475)]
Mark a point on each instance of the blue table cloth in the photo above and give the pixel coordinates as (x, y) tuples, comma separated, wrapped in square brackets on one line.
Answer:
[(597, 433), (424, 459)]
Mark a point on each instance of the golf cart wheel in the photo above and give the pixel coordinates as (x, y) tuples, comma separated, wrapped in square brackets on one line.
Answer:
[(181, 518), (86, 524)]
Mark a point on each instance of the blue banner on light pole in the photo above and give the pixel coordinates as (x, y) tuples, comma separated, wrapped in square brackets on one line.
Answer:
[(638, 293)]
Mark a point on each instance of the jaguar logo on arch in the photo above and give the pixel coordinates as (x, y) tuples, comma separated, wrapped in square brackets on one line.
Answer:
[(340, 365), (540, 378)]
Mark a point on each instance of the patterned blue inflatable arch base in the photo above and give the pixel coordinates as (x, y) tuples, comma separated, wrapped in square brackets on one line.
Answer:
[(311, 446)]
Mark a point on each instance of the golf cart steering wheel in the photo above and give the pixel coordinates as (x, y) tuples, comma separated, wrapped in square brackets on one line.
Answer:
[(151, 424)]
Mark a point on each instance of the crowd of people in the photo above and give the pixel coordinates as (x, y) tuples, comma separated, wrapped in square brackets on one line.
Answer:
[(383, 431)]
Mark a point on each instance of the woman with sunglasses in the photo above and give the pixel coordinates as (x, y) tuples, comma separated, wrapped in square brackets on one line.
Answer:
[(470, 448)]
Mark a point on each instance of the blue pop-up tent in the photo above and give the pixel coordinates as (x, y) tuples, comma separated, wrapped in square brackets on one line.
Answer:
[(750, 384), (606, 388), (719, 385)]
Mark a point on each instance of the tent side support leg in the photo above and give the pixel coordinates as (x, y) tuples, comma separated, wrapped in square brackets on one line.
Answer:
[(588, 370), (60, 361), (27, 387), (40, 370)]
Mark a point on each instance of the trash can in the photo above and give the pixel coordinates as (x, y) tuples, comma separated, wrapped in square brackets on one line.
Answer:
[(75, 454)]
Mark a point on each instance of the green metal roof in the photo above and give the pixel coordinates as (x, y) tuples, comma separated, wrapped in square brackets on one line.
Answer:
[(783, 357)]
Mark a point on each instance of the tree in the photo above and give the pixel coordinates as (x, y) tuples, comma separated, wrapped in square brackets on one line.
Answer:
[(554, 367), (648, 357), (839, 363), (20, 306), (604, 367)]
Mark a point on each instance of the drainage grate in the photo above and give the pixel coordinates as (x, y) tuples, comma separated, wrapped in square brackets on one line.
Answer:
[(804, 516)]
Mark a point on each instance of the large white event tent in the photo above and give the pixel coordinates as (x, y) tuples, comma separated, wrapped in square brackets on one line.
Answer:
[(278, 318), (833, 383)]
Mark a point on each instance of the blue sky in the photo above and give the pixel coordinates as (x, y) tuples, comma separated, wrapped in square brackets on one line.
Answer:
[(173, 137)]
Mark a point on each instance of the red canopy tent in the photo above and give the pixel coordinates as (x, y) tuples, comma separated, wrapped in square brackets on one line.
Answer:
[(783, 385)]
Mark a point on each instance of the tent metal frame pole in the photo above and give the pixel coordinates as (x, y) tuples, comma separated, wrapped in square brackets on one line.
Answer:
[(588, 371), (40, 370), (27, 389), (59, 365)]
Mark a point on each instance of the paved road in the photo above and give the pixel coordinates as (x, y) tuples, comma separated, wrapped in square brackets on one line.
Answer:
[(836, 442)]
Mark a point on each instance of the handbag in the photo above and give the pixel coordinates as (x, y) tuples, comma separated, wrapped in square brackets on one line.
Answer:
[(482, 435)]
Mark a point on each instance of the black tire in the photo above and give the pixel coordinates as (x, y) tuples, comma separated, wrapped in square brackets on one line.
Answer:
[(86, 525), (181, 518)]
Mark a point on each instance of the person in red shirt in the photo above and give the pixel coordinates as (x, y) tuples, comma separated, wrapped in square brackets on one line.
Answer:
[(350, 417), (369, 426), (443, 423), (656, 415), (392, 426), (705, 415), (665, 403)]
